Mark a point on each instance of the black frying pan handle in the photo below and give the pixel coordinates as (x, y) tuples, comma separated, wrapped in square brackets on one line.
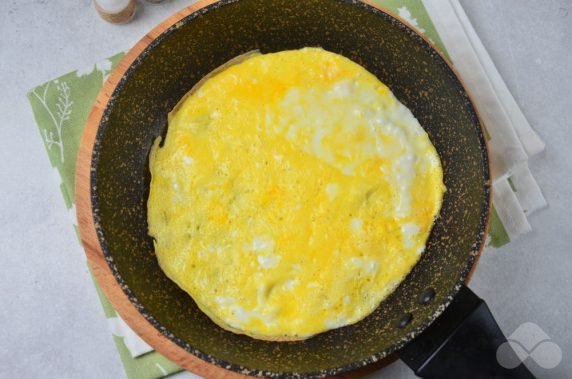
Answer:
[(462, 343)]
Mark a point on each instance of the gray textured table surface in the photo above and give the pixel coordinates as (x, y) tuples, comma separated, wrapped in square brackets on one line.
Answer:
[(51, 322)]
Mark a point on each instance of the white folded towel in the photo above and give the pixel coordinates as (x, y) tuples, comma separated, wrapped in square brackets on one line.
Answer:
[(512, 140)]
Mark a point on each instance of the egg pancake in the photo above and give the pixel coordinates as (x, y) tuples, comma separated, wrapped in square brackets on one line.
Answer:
[(292, 194)]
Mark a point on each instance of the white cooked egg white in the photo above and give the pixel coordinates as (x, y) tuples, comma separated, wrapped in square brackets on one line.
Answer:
[(292, 194)]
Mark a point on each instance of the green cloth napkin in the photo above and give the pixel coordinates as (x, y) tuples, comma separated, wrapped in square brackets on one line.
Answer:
[(61, 108)]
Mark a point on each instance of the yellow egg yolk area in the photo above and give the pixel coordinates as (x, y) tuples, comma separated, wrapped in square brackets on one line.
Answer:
[(293, 194)]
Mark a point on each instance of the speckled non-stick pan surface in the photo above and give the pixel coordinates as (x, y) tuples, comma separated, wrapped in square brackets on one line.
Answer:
[(174, 62)]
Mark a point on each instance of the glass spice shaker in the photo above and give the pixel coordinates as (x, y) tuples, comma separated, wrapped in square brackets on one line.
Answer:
[(116, 11)]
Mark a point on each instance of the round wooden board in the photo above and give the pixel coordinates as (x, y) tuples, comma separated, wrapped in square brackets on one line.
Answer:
[(94, 252)]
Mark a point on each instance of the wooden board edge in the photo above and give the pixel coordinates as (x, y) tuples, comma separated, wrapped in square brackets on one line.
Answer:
[(90, 241)]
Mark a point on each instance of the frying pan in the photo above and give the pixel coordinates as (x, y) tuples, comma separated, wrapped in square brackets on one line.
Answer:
[(113, 183)]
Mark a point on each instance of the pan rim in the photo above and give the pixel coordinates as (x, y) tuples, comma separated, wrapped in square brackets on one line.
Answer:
[(478, 245)]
